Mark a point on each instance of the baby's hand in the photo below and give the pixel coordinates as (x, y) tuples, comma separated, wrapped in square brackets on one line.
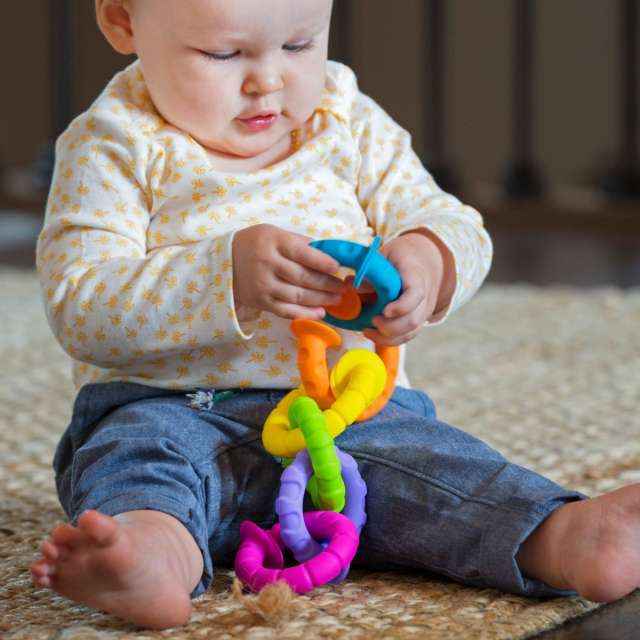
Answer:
[(276, 270), (426, 281)]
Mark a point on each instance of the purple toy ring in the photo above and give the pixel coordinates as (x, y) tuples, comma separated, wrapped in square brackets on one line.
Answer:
[(290, 500)]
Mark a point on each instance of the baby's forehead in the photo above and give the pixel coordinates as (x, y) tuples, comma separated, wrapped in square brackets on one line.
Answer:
[(246, 17)]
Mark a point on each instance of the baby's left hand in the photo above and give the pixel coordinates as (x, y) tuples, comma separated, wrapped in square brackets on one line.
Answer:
[(426, 276)]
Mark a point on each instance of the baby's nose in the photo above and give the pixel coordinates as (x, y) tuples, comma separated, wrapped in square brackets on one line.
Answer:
[(267, 79)]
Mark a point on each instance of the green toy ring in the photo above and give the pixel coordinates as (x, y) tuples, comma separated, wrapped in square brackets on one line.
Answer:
[(329, 490)]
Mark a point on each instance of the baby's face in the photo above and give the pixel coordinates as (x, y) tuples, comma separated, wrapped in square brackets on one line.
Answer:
[(211, 66)]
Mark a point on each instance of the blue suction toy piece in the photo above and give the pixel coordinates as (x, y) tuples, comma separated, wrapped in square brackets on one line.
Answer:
[(364, 265), (368, 264)]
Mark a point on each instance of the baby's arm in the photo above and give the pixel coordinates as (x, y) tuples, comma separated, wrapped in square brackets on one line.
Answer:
[(109, 300), (438, 244)]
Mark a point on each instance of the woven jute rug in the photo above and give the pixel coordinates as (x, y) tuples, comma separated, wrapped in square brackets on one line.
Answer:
[(547, 376)]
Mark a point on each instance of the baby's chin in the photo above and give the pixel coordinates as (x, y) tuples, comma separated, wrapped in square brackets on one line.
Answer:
[(250, 146)]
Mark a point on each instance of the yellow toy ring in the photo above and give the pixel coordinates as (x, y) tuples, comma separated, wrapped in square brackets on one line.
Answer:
[(357, 380)]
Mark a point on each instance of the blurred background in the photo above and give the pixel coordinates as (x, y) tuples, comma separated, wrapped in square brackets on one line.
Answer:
[(526, 109)]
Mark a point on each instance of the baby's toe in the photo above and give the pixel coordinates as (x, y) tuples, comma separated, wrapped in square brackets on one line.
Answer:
[(68, 536), (42, 568), (99, 527), (50, 551), (40, 581)]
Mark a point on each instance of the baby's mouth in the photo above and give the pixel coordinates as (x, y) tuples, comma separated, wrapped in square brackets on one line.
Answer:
[(260, 121)]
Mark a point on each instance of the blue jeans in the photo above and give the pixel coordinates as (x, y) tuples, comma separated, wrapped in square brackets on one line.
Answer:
[(438, 499)]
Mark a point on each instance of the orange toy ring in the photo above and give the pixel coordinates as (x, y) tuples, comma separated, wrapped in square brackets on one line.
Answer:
[(314, 338)]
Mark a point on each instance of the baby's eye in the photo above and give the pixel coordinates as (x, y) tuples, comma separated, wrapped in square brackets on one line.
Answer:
[(299, 46), (220, 55)]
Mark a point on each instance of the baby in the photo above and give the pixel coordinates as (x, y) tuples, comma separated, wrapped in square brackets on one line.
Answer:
[(174, 253)]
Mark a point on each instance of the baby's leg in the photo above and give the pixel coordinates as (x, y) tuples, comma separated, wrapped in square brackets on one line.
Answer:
[(138, 565), (148, 483), (443, 501), (592, 546)]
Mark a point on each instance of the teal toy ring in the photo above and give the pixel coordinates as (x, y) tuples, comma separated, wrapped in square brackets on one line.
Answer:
[(370, 265)]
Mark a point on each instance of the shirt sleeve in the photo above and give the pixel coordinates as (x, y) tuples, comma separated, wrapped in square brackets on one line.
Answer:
[(109, 301), (398, 195)]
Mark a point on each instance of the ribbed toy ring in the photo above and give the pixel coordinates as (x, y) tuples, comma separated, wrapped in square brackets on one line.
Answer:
[(259, 549), (329, 487), (290, 499), (314, 338)]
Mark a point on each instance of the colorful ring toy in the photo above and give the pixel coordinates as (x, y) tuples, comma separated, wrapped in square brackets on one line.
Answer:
[(289, 503), (355, 506), (259, 559), (329, 486), (361, 380), (369, 264), (390, 358), (314, 338)]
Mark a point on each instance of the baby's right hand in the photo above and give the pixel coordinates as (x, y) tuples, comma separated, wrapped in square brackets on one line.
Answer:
[(276, 270)]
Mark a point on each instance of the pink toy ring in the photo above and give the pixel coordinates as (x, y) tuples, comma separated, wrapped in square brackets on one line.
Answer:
[(259, 549)]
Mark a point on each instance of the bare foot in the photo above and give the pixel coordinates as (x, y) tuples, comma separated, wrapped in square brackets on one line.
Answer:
[(140, 566), (591, 546)]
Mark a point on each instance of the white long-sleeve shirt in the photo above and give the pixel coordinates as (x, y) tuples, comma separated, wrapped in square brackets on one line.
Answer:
[(135, 254)]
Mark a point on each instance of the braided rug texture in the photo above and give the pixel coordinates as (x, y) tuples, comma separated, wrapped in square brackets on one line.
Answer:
[(547, 376)]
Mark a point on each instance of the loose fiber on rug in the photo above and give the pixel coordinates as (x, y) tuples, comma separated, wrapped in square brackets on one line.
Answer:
[(547, 376)]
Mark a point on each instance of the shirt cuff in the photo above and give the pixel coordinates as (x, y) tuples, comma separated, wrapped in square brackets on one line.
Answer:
[(240, 319)]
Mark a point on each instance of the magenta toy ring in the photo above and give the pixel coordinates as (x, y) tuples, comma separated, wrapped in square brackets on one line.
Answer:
[(259, 548)]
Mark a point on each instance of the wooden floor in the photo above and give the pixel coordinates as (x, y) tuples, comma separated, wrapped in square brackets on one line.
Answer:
[(543, 250), (617, 621)]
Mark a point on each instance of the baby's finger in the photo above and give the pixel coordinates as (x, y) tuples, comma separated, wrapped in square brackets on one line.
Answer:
[(412, 295), (402, 325), (303, 254), (293, 311), (389, 341), (301, 276), (301, 296)]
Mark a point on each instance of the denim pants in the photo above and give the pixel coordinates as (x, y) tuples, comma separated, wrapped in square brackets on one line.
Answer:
[(438, 499)]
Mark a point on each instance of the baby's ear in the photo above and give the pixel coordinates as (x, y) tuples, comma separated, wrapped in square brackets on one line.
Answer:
[(114, 20)]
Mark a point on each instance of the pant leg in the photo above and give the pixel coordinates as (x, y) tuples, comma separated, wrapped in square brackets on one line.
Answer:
[(441, 500), (438, 499), (132, 447)]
